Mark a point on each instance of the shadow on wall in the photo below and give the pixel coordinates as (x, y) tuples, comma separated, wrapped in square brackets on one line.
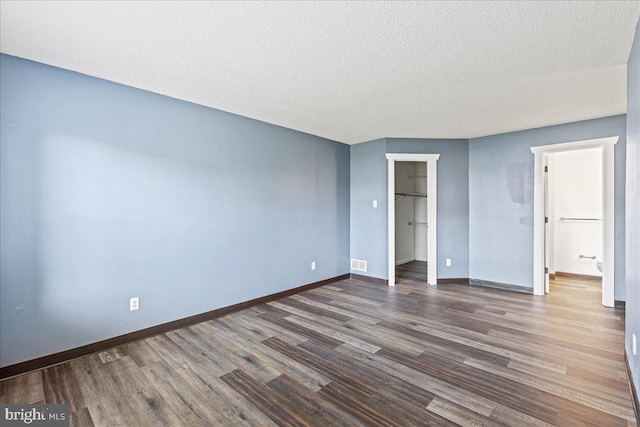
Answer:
[(112, 222)]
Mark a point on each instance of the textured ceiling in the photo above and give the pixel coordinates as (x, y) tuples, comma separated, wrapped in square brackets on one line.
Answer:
[(349, 71)]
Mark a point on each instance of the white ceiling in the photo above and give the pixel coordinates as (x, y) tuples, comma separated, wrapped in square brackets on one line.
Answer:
[(349, 71)]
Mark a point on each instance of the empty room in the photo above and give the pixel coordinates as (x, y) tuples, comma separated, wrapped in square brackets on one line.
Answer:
[(318, 213)]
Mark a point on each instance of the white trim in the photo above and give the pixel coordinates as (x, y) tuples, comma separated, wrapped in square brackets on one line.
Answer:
[(608, 225), (608, 215), (432, 256), (576, 145)]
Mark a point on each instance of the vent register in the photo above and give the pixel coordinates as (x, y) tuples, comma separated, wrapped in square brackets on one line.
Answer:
[(358, 265)]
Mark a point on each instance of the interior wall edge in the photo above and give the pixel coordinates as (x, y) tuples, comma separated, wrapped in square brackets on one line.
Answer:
[(632, 388)]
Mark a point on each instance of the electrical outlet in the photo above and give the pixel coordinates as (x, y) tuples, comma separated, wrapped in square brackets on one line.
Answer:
[(633, 341), (375, 203), (313, 265), (134, 303), (448, 262)]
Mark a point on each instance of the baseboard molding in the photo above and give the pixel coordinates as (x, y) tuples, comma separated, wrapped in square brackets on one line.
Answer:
[(405, 261), (498, 285), (632, 387), (622, 305), (459, 281), (577, 276), (74, 353), (485, 284), (374, 280)]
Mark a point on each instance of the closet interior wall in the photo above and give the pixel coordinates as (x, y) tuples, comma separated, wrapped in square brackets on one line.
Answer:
[(411, 212)]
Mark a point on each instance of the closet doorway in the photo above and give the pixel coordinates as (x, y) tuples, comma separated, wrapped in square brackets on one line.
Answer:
[(411, 221), (429, 161)]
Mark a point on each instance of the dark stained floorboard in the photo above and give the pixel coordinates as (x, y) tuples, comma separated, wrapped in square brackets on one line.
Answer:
[(414, 270), (358, 354)]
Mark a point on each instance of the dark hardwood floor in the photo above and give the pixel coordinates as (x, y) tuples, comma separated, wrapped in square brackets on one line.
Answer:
[(414, 270), (358, 354)]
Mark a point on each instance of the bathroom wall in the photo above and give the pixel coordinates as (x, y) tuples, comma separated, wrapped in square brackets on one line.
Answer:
[(576, 190)]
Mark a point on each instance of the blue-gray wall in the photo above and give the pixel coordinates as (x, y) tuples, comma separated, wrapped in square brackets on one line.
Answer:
[(368, 224), (369, 182), (501, 199), (453, 198), (633, 207), (109, 192)]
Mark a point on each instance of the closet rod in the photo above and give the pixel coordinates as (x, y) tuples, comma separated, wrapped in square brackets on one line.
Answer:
[(411, 195)]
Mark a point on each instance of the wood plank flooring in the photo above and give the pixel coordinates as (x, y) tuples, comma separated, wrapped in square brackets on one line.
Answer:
[(414, 270), (358, 354)]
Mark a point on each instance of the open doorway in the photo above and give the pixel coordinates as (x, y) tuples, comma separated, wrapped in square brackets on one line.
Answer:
[(540, 266), (574, 208), (411, 221), (431, 206)]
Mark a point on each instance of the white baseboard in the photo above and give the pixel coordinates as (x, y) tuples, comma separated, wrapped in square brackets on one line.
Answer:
[(405, 261)]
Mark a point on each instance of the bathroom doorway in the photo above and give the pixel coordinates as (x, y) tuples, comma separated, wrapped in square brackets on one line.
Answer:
[(574, 211), (540, 268), (411, 221)]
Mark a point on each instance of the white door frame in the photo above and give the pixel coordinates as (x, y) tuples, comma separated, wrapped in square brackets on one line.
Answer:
[(432, 258), (608, 214)]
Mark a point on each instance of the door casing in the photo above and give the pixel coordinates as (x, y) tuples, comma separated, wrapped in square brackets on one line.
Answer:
[(432, 257), (608, 212)]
